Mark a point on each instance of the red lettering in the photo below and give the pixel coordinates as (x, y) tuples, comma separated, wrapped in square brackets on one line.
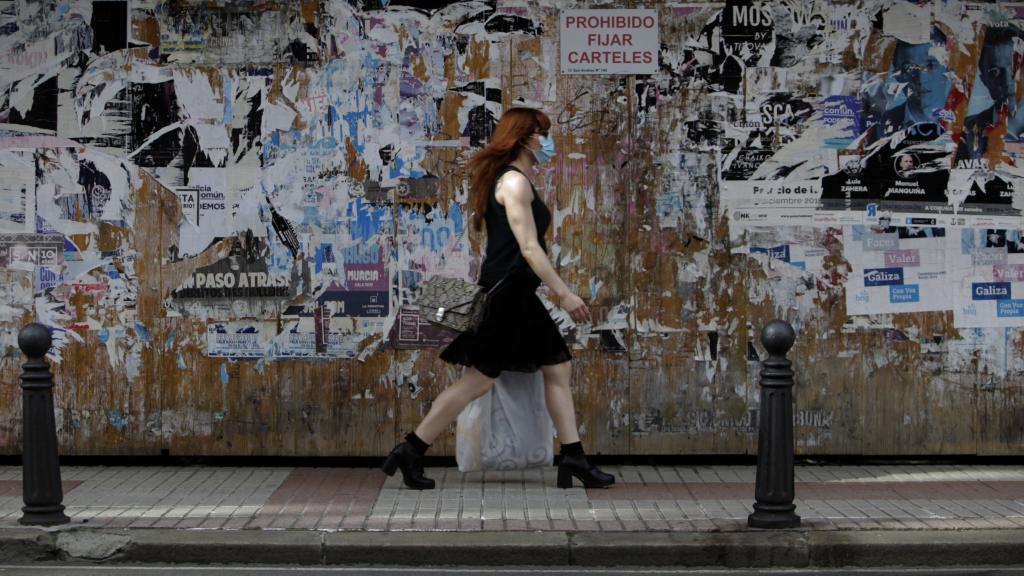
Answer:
[(608, 57), (609, 39), (593, 22)]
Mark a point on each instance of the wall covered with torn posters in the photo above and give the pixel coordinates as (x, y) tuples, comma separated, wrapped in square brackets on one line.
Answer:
[(223, 211)]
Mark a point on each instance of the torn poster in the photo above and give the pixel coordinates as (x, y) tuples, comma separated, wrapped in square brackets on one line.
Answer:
[(338, 339), (363, 288), (906, 178), (796, 255), (770, 202), (843, 114), (17, 191), (206, 208), (243, 283)]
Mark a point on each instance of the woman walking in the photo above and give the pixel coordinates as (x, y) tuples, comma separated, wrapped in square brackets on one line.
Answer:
[(517, 332)]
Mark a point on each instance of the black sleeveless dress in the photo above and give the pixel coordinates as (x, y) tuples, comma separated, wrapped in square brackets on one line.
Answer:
[(517, 333)]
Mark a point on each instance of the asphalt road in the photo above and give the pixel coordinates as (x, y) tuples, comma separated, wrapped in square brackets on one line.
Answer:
[(65, 570)]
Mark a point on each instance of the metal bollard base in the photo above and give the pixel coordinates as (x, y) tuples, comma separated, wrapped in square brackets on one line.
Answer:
[(43, 515), (780, 517)]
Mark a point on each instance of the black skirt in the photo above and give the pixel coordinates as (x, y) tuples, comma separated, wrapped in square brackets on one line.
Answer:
[(516, 334)]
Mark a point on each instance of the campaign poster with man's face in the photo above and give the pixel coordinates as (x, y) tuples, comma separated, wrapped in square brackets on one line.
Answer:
[(992, 91), (914, 90)]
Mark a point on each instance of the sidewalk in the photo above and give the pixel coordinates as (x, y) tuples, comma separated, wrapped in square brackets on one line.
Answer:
[(691, 515)]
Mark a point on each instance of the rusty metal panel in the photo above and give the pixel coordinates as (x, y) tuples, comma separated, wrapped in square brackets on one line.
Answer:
[(224, 216)]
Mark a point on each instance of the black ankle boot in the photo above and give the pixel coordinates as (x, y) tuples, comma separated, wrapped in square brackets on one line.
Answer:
[(405, 457), (577, 465)]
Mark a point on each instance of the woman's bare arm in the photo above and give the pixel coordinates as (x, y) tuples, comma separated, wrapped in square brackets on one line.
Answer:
[(515, 194)]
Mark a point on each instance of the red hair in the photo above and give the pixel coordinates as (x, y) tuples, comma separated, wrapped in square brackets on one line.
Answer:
[(514, 129)]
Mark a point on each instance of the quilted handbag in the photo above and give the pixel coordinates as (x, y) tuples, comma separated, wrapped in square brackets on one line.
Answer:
[(452, 303)]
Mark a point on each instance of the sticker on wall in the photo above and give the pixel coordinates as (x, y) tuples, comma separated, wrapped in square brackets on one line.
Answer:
[(235, 340), (25, 251)]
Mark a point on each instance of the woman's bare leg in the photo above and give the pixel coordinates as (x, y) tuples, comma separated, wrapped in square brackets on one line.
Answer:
[(559, 398), (448, 404)]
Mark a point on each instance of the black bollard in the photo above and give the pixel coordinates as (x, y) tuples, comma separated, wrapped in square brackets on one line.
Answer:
[(774, 491), (40, 484)]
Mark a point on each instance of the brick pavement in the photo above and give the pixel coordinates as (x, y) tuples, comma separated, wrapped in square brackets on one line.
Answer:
[(656, 498)]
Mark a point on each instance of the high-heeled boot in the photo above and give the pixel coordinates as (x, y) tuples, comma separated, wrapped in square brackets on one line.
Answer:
[(574, 463), (410, 461)]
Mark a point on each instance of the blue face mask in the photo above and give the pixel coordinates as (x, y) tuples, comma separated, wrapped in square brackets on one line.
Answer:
[(546, 151)]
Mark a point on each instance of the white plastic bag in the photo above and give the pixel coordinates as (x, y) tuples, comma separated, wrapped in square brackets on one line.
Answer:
[(508, 428)]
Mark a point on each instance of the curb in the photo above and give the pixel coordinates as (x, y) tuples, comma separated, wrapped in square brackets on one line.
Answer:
[(918, 548), (690, 549), (749, 549), (451, 548), (223, 547), (27, 545)]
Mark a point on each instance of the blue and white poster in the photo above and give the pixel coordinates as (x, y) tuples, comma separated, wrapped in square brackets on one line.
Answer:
[(989, 268), (896, 269)]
